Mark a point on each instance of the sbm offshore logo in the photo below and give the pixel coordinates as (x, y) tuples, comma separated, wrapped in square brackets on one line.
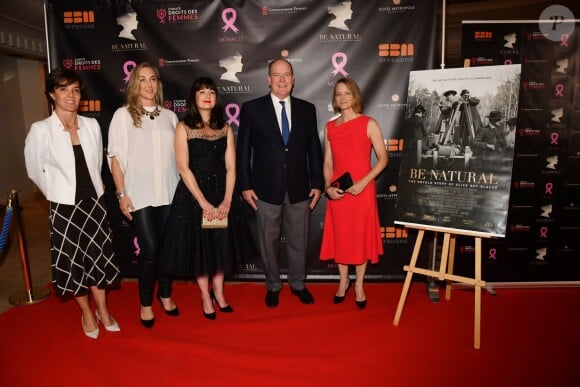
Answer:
[(90, 105), (396, 52), (483, 35), (394, 146), (395, 235), (78, 19)]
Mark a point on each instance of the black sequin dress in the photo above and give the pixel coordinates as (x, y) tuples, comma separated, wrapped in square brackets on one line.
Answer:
[(192, 252)]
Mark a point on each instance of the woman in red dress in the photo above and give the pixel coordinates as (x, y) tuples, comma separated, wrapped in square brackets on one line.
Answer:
[(351, 234)]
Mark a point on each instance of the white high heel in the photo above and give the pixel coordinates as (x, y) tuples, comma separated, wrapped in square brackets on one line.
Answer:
[(114, 327), (91, 334)]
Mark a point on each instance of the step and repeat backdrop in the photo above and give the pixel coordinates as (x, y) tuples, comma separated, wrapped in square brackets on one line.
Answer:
[(377, 43), (542, 241)]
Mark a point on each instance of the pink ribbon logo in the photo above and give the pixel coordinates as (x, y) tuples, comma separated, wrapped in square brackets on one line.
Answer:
[(559, 90), (544, 232), (233, 117), (548, 188), (554, 138), (492, 254), (338, 67), (229, 21), (127, 68), (137, 247), (564, 40)]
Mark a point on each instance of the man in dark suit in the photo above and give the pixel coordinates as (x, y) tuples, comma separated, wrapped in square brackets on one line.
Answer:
[(469, 120), (489, 139), (416, 129), (280, 176)]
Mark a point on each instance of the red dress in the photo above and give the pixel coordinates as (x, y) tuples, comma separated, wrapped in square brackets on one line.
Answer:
[(351, 233)]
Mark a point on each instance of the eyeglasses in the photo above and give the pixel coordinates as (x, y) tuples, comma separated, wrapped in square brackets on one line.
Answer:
[(278, 75)]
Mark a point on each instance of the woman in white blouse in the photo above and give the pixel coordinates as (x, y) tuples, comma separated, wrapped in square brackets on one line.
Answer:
[(142, 162)]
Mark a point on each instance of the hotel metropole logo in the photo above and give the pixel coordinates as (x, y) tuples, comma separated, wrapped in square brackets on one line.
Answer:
[(396, 8)]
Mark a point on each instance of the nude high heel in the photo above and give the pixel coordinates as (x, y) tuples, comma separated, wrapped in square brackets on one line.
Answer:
[(90, 334), (114, 327)]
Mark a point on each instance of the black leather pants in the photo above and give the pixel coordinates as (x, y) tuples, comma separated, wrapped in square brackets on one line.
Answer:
[(149, 224)]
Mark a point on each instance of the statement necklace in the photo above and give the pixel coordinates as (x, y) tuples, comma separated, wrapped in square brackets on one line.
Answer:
[(153, 114)]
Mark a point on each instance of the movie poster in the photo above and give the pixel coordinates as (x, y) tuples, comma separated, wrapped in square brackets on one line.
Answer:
[(459, 137)]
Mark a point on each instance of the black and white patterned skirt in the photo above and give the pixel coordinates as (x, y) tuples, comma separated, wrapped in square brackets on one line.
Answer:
[(81, 247)]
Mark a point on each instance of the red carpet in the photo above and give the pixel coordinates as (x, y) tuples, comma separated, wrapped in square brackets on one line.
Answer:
[(529, 337)]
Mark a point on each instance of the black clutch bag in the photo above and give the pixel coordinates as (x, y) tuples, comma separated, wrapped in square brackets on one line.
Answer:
[(344, 182)]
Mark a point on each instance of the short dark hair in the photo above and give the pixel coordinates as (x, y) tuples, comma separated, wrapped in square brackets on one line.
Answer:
[(60, 76)]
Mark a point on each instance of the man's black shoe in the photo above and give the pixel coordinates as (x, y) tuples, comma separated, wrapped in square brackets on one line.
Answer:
[(304, 296), (272, 299)]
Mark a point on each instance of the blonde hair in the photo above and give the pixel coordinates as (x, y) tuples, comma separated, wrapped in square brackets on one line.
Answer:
[(133, 105), (357, 104)]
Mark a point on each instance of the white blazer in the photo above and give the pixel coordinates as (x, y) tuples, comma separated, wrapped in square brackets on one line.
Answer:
[(50, 160)]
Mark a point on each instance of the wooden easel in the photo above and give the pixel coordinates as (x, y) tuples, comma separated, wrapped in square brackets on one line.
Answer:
[(446, 271)]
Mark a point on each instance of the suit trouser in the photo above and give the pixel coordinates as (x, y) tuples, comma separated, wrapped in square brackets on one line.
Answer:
[(149, 224), (296, 220)]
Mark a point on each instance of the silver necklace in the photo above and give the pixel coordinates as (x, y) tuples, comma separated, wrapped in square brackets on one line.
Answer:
[(153, 114)]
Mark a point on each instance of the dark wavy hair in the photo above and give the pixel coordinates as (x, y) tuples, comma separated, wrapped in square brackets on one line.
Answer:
[(60, 76), (193, 118)]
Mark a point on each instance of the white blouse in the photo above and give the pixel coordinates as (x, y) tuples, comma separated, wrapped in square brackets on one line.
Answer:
[(146, 156)]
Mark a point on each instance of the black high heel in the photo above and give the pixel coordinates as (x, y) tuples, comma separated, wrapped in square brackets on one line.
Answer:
[(361, 304), (173, 312), (147, 323), (224, 309), (340, 299), (209, 316)]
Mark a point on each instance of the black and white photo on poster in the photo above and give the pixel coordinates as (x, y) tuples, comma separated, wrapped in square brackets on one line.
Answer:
[(458, 148)]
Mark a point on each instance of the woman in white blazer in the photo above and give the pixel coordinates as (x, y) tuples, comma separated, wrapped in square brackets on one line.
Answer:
[(64, 156)]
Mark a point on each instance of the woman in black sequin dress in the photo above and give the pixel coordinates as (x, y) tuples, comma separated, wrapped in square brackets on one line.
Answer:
[(205, 156)]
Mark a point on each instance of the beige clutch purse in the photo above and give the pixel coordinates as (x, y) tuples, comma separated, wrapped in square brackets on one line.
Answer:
[(215, 223)]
